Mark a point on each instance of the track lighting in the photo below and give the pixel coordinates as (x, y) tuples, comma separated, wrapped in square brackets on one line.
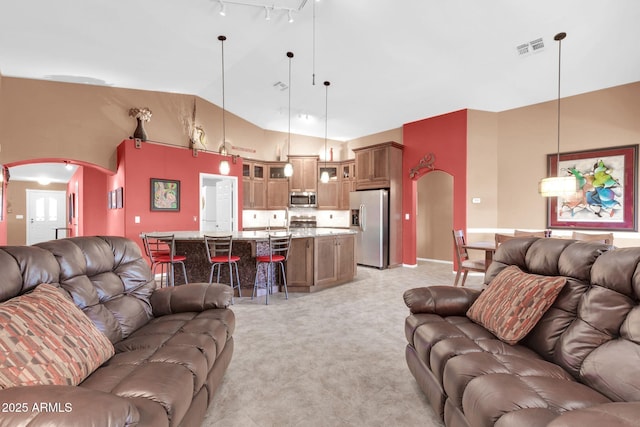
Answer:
[(290, 16), (223, 10), (267, 13)]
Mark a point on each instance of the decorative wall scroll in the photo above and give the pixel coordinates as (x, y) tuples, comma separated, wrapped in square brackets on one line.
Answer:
[(425, 162)]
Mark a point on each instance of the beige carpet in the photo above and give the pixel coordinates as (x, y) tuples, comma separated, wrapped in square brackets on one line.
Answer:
[(331, 358)]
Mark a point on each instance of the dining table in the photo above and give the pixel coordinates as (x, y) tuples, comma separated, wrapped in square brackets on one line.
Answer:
[(488, 247)]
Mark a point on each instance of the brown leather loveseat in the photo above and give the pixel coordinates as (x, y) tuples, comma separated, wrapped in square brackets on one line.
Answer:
[(87, 339), (579, 365)]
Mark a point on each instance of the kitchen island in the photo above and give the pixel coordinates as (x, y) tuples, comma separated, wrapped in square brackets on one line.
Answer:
[(319, 258)]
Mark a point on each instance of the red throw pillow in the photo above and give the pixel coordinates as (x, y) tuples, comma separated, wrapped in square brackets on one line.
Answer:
[(514, 302), (46, 340)]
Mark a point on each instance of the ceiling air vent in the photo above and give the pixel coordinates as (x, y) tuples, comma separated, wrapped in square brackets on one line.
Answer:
[(280, 86), (523, 49), (537, 44), (531, 47)]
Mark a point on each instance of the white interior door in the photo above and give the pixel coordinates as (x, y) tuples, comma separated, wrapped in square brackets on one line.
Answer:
[(223, 205), (219, 201), (45, 212)]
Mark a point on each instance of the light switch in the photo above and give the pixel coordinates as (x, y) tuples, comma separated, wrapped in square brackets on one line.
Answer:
[(476, 200), (136, 219), (406, 216)]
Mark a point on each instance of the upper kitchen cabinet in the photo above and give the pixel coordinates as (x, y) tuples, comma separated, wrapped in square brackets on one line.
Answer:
[(277, 186), (254, 188), (305, 173), (347, 182), (329, 192), (377, 165)]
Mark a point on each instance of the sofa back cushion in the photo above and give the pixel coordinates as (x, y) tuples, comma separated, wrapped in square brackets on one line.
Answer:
[(592, 328), (46, 340), (106, 277)]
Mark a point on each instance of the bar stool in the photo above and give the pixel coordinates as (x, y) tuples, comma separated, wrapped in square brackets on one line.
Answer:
[(161, 251), (218, 253), (278, 254)]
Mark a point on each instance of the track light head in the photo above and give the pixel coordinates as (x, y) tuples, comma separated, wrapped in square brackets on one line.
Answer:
[(290, 16), (223, 9)]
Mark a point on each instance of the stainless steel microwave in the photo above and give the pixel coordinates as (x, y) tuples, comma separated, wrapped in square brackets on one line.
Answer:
[(303, 199)]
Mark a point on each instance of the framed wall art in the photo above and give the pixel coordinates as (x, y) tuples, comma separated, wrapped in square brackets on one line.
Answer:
[(165, 195), (607, 194)]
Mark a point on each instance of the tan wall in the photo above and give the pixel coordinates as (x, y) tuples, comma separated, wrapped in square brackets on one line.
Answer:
[(44, 119), (482, 172), (17, 205), (599, 119)]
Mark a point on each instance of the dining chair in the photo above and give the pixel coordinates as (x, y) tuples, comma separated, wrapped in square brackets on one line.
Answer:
[(278, 253), (219, 252), (465, 265), (501, 238), (606, 238), (161, 250), (525, 233)]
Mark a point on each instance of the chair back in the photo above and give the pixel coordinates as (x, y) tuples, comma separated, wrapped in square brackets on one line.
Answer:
[(279, 245), (459, 242), (157, 245), (525, 233), (218, 246), (606, 238), (501, 238)]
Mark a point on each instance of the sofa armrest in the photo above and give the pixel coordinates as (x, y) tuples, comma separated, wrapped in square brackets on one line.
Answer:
[(190, 297), (442, 300), (71, 406), (606, 414)]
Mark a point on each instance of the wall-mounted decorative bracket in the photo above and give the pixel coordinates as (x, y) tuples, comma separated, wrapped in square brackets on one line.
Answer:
[(138, 143), (426, 162)]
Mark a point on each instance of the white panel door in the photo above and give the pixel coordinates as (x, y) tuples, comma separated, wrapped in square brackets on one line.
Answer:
[(45, 212), (223, 205)]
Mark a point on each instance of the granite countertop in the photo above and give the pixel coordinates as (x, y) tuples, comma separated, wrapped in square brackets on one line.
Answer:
[(255, 235)]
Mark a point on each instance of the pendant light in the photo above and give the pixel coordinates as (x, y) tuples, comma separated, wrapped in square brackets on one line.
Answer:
[(324, 176), (558, 186), (224, 164), (288, 168)]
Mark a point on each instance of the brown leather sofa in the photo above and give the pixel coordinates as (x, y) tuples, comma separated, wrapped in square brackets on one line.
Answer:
[(172, 345), (578, 366)]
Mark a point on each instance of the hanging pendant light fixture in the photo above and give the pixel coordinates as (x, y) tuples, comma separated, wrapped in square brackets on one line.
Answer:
[(324, 176), (558, 186), (288, 168), (224, 164)]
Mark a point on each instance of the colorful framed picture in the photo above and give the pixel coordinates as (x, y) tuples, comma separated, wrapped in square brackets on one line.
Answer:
[(607, 194), (165, 195)]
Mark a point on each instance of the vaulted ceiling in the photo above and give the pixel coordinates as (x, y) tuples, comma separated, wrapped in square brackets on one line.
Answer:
[(389, 62)]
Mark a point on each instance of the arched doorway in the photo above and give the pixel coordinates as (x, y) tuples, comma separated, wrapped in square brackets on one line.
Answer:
[(49, 176), (434, 216)]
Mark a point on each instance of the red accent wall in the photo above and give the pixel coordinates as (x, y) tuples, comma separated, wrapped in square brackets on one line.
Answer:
[(135, 169), (446, 137)]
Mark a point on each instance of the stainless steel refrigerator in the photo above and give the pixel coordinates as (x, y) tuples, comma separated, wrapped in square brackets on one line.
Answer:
[(370, 217)]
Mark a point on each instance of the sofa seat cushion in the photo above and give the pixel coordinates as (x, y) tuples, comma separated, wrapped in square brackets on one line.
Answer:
[(514, 302), (46, 340), (167, 360), (485, 378)]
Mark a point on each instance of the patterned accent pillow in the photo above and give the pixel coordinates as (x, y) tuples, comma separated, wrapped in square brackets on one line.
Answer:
[(514, 302), (45, 339)]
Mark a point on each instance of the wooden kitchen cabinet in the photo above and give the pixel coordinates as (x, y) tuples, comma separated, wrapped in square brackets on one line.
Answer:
[(347, 183), (300, 263), (254, 189), (335, 260), (375, 165), (277, 186), (329, 192), (305, 173)]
